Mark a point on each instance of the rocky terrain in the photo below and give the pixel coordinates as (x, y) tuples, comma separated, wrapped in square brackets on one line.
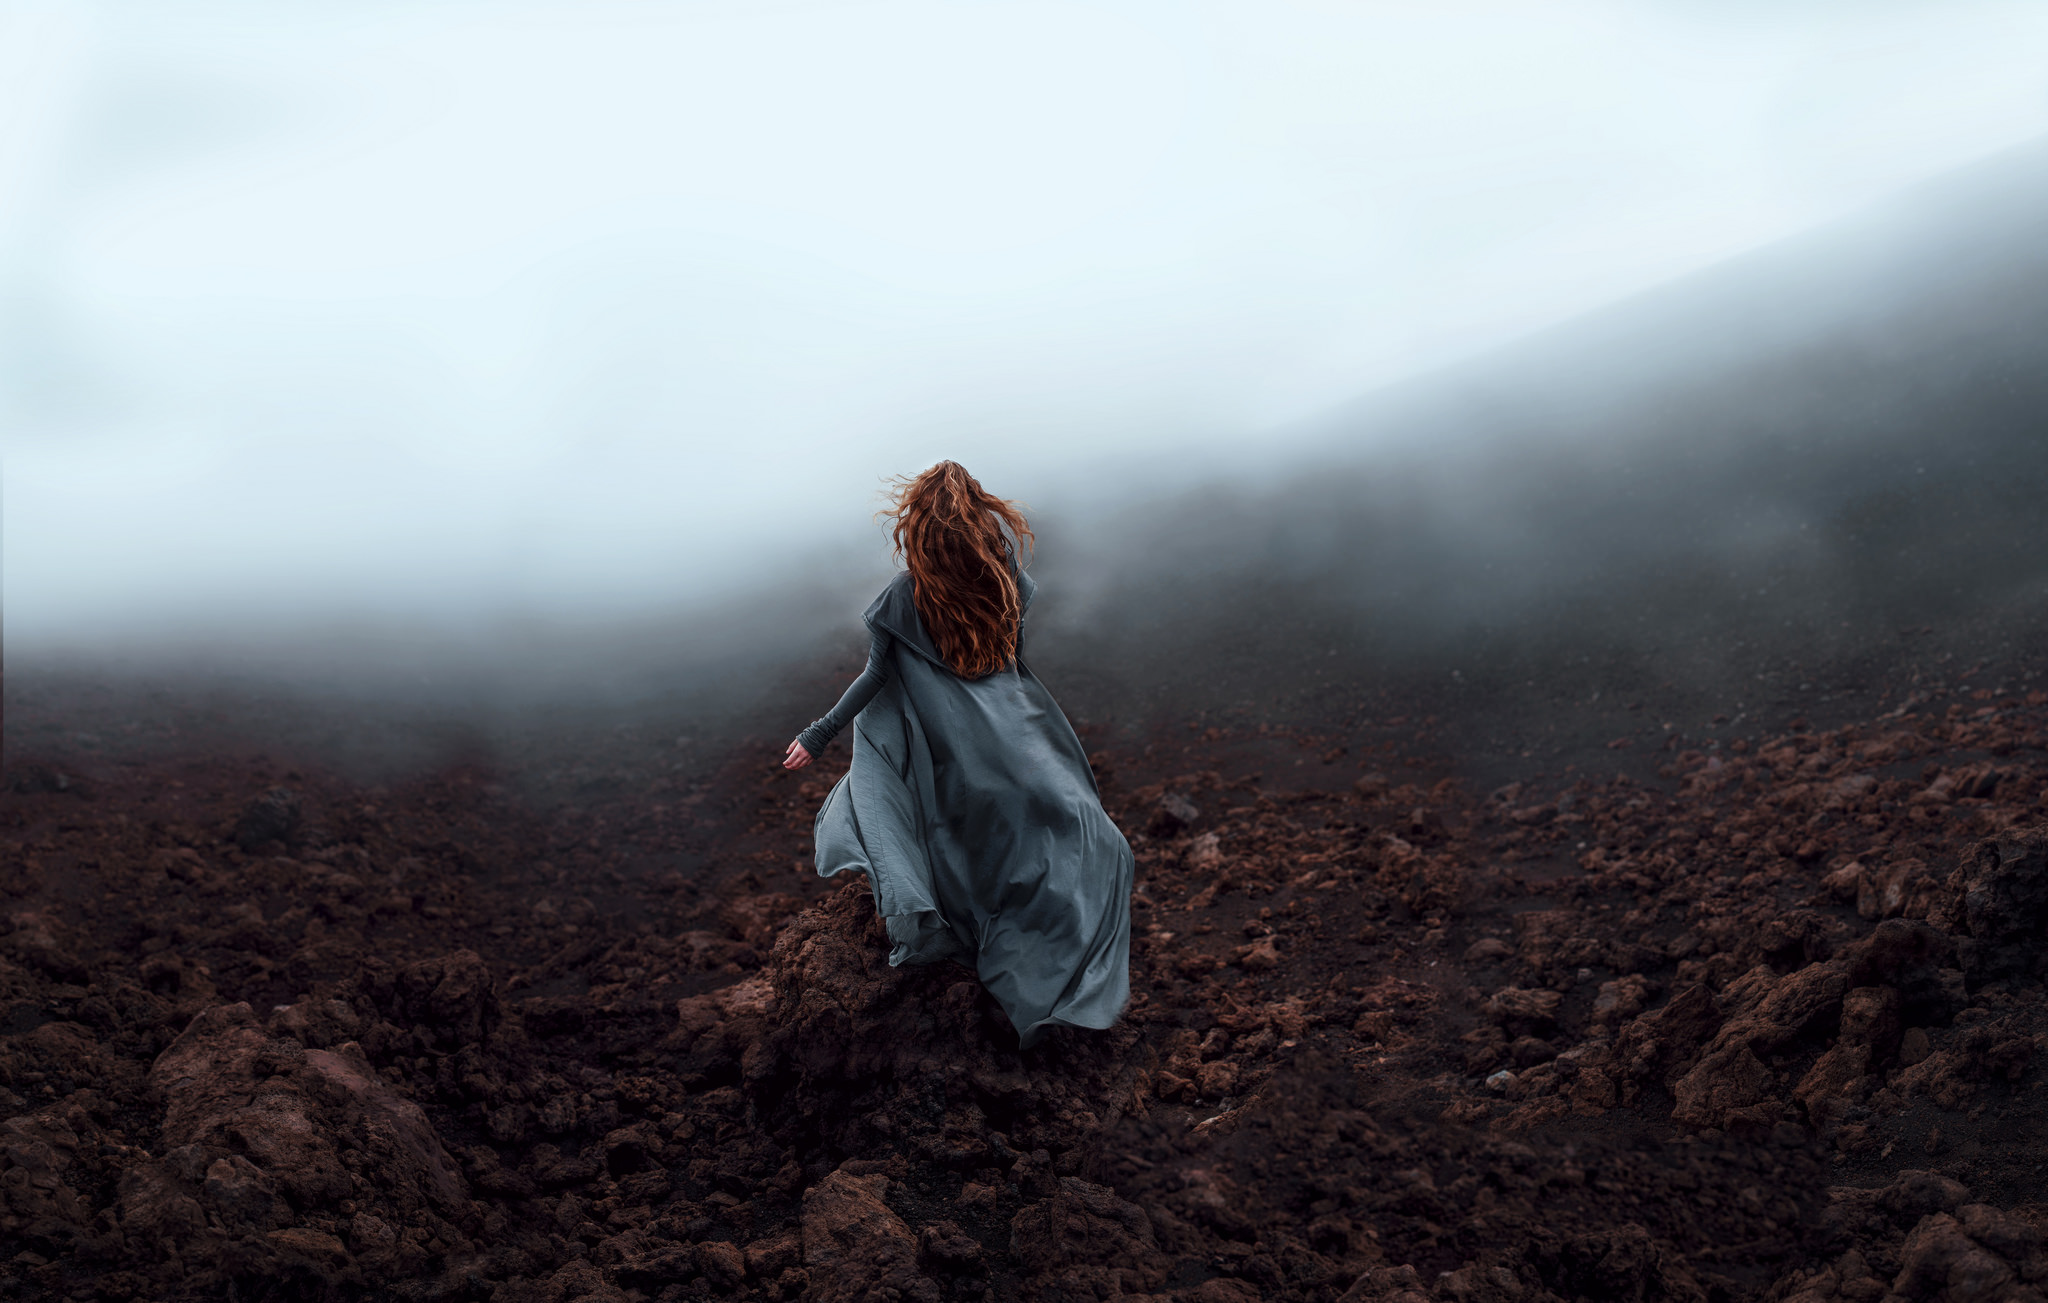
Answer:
[(1729, 1013)]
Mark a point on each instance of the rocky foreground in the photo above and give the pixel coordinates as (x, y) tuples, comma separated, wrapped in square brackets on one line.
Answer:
[(1760, 1022)]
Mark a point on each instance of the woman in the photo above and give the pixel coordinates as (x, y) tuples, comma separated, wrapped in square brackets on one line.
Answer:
[(970, 804)]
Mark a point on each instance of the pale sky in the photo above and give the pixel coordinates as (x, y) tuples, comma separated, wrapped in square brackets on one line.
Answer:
[(585, 308)]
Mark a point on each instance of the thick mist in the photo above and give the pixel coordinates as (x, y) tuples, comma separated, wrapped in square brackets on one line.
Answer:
[(460, 318), (1767, 483), (483, 369), (1763, 487)]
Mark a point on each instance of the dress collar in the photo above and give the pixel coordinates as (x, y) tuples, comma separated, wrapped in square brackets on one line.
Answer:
[(895, 613)]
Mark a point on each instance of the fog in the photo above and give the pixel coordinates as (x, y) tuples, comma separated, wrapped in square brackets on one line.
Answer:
[(449, 320), (1819, 468)]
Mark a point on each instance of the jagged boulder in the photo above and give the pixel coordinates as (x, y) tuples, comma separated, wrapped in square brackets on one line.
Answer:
[(1952, 1249), (273, 816), (1070, 1241), (1859, 1000), (855, 1246), (271, 1145), (1997, 903), (1625, 1263), (448, 1000)]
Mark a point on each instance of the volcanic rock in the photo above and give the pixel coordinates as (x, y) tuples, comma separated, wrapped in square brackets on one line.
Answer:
[(856, 1247), (693, 1086), (1523, 1011), (273, 816), (450, 997), (43, 778), (1728, 1086), (1997, 898), (258, 1130), (1082, 1234), (1173, 815)]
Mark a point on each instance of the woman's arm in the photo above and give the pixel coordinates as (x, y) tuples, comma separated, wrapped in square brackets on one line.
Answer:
[(821, 732)]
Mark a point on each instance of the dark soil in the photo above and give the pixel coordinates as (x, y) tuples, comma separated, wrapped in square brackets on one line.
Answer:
[(1742, 1010)]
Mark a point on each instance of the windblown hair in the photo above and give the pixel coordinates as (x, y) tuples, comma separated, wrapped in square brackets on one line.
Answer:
[(964, 548)]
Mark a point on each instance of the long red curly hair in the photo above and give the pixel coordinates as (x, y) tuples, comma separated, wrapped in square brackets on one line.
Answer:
[(964, 548)]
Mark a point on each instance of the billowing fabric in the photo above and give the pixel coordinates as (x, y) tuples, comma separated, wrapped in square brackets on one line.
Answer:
[(971, 808)]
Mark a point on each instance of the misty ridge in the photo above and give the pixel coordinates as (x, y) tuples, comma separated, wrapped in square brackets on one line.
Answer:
[(1798, 454)]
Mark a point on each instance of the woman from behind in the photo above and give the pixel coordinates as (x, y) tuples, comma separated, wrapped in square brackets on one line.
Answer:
[(969, 803)]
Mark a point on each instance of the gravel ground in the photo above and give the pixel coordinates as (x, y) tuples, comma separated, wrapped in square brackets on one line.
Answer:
[(1749, 1010)]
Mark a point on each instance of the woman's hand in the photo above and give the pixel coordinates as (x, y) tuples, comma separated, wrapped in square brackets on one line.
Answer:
[(796, 757)]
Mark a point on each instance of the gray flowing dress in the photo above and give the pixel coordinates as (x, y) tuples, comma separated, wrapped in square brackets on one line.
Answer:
[(972, 810)]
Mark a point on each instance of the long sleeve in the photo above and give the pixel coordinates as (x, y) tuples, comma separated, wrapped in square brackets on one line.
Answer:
[(821, 732)]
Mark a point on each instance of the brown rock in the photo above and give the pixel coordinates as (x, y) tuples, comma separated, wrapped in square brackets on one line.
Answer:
[(258, 1122), (1593, 1092), (1998, 898), (374, 1241), (1690, 1018), (1938, 1259), (1426, 883), (714, 1031), (1846, 882), (1870, 1017), (1217, 1080), (1895, 889), (978, 1196), (319, 1024), (1260, 956), (1621, 999), (274, 816), (239, 1188), (345, 1079), (1827, 1086), (1726, 1081), (155, 1207), (722, 1263), (1942, 1076), (1789, 1007), (1171, 816), (768, 1258), (1169, 1085), (943, 1246), (314, 1246), (1084, 1237), (1624, 1262), (1915, 1194), (1425, 824), (580, 1282), (835, 1048), (37, 1155), (1914, 1045), (853, 1243), (1524, 1009), (2009, 1236), (451, 994)]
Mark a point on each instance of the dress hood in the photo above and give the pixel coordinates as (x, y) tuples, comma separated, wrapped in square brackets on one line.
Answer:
[(894, 612)]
